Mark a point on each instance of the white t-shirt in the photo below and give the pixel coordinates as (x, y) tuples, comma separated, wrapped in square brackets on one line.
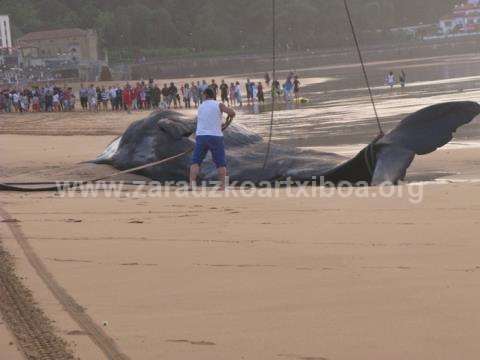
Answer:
[(209, 119), (390, 79), (254, 91)]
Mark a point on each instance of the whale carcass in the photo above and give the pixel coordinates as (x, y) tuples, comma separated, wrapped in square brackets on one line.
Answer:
[(165, 134)]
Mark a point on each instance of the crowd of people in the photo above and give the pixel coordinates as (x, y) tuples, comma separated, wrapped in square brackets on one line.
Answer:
[(144, 95), (38, 99), (12, 75)]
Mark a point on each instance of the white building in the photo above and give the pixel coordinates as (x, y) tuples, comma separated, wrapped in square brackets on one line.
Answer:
[(464, 18), (5, 34)]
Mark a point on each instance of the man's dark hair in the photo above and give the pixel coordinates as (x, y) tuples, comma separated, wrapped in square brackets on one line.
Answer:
[(209, 93)]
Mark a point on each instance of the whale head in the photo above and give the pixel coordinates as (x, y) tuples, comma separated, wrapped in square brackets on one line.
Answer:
[(161, 135)]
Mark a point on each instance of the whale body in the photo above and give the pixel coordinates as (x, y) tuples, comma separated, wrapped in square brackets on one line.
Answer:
[(165, 134)]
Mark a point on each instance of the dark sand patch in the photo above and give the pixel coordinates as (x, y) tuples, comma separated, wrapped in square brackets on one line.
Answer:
[(32, 330)]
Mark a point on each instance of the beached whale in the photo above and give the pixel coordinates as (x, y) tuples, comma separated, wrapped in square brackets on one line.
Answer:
[(165, 134)]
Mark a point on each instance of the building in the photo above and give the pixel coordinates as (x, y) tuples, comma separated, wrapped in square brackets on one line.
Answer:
[(64, 53), (464, 19), (75, 45), (5, 34)]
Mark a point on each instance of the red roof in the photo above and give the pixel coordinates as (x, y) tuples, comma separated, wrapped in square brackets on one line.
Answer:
[(465, 8), (447, 18), (52, 34)]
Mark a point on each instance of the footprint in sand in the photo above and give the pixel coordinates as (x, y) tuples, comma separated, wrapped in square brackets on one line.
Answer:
[(202, 342), (474, 269), (137, 264), (76, 332), (187, 215), (69, 260), (299, 357), (237, 265), (73, 220)]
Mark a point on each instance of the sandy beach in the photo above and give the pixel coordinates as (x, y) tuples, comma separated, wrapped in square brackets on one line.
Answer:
[(240, 277), (216, 278), (315, 274)]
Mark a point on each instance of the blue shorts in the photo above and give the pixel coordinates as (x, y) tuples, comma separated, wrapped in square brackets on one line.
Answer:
[(215, 145)]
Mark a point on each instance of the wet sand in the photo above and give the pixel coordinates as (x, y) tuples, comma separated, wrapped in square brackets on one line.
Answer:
[(330, 277)]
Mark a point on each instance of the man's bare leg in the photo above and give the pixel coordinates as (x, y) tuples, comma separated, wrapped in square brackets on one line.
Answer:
[(222, 177), (194, 171)]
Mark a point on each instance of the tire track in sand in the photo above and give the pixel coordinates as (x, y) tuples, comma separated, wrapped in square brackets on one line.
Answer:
[(32, 330), (29, 332)]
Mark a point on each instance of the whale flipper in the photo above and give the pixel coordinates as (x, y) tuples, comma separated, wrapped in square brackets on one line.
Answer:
[(392, 163), (106, 156), (431, 128), (418, 134)]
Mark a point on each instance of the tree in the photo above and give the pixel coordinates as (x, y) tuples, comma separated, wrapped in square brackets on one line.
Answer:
[(55, 14), (149, 25), (24, 16)]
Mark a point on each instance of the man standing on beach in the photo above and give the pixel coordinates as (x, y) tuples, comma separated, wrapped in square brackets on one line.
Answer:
[(248, 87), (224, 92), (202, 88), (209, 137), (296, 87), (390, 80), (214, 87), (403, 79), (83, 97), (127, 97), (165, 93)]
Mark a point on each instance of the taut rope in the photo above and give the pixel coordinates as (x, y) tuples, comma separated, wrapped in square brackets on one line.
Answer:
[(360, 56), (74, 184), (274, 79)]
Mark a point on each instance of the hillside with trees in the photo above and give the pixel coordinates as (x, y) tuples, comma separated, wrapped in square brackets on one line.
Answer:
[(185, 26)]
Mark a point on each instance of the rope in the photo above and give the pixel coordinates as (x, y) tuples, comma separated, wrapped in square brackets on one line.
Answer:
[(274, 68), (274, 79), (360, 56), (70, 185)]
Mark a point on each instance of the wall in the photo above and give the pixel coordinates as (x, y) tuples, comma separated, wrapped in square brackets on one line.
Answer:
[(82, 47)]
